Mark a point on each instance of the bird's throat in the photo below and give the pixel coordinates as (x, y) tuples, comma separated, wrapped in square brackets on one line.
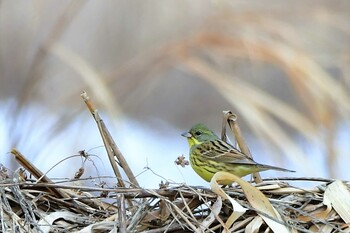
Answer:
[(192, 141)]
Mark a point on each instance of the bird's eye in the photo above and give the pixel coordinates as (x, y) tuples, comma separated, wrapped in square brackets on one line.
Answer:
[(197, 133)]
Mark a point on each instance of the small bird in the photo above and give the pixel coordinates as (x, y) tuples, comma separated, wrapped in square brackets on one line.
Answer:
[(209, 154)]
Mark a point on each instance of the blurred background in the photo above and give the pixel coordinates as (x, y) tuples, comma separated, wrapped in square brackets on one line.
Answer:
[(155, 68)]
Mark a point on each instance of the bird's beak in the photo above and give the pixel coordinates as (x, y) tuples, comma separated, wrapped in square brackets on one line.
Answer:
[(186, 134)]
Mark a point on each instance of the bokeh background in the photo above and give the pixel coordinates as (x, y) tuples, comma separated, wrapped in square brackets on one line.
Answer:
[(155, 68)]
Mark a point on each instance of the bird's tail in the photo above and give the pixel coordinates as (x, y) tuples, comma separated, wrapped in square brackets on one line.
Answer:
[(268, 167)]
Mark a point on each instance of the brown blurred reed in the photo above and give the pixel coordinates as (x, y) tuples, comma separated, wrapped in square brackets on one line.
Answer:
[(283, 69)]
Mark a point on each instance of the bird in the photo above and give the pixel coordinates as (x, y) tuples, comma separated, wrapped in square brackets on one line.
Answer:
[(209, 155)]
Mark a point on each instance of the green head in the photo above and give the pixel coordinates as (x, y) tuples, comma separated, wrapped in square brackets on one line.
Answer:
[(198, 134)]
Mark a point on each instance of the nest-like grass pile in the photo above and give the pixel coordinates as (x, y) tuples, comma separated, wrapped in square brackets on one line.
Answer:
[(29, 206)]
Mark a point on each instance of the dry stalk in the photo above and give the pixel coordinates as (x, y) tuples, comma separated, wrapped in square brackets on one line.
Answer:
[(231, 119), (111, 147), (36, 172)]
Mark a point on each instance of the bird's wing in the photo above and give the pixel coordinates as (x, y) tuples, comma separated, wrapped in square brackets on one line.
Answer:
[(224, 152)]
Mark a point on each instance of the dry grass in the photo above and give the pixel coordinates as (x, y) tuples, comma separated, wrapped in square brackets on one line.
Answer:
[(28, 206)]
